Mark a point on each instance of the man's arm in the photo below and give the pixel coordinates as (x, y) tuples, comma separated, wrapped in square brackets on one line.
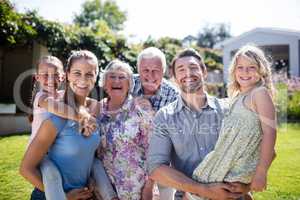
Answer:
[(159, 157), (170, 177)]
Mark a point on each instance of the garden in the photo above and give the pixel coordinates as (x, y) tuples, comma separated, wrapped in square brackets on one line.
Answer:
[(283, 180), (103, 38)]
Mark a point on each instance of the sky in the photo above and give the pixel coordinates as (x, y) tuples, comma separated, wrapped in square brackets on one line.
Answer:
[(179, 18)]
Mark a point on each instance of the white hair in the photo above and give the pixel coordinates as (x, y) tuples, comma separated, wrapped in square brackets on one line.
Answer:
[(116, 65), (152, 52)]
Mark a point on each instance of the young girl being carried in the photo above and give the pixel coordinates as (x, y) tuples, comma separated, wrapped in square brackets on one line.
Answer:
[(245, 148), (48, 98)]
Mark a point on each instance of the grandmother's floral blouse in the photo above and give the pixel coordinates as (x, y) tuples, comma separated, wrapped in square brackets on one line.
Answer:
[(124, 146)]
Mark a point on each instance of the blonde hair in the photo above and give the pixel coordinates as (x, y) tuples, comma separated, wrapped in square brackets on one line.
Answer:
[(116, 65), (69, 96), (257, 56), (50, 61)]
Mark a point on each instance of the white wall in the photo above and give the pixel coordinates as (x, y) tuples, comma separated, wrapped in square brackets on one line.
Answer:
[(14, 123), (262, 39)]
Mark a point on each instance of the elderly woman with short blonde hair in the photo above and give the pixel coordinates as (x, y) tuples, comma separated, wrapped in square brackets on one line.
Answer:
[(124, 125)]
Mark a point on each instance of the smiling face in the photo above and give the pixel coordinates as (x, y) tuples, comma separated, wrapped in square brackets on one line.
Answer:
[(151, 74), (246, 73), (82, 77), (117, 84), (189, 75), (48, 77)]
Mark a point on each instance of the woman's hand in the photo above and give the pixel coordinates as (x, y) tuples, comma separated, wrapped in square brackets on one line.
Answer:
[(79, 194)]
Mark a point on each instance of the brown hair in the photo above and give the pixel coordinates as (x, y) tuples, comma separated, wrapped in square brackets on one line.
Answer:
[(187, 53), (69, 97)]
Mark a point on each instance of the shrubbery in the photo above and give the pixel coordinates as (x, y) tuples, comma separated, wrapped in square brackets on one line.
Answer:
[(287, 97), (18, 29), (293, 108), (22, 29)]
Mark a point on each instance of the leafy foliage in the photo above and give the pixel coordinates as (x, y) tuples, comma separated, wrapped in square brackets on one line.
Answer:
[(21, 29), (89, 32), (95, 11), (287, 97), (15, 29), (212, 34)]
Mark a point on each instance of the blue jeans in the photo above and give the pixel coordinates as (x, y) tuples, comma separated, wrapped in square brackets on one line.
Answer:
[(103, 184), (52, 181), (37, 195)]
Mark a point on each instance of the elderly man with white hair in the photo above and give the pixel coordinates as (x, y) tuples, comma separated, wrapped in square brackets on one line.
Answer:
[(150, 84)]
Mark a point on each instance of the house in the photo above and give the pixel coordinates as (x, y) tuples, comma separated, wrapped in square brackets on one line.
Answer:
[(189, 41), (281, 44), (16, 67)]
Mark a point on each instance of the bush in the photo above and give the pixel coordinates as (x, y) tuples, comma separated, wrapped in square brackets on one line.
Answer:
[(293, 109), (281, 101), (287, 98), (217, 90)]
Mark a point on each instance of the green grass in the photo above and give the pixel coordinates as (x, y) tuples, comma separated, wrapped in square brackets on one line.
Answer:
[(284, 174), (283, 180), (12, 185)]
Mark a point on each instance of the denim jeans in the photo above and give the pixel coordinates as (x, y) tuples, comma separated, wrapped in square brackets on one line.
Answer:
[(37, 195), (52, 181), (166, 193), (103, 184)]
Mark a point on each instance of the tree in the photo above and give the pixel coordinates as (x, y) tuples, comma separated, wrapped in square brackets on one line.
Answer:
[(96, 10), (15, 29), (212, 34)]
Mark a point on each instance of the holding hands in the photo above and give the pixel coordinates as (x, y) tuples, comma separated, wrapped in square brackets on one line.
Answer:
[(80, 194)]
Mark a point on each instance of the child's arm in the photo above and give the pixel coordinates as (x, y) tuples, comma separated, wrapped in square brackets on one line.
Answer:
[(86, 120), (266, 111), (57, 107)]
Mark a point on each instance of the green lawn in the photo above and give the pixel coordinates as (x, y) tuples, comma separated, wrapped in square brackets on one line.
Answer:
[(283, 182)]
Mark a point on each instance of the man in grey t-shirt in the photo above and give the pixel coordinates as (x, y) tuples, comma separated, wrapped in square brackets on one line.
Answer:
[(185, 131)]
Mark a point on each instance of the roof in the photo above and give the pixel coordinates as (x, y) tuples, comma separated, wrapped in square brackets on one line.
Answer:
[(279, 31), (189, 37)]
